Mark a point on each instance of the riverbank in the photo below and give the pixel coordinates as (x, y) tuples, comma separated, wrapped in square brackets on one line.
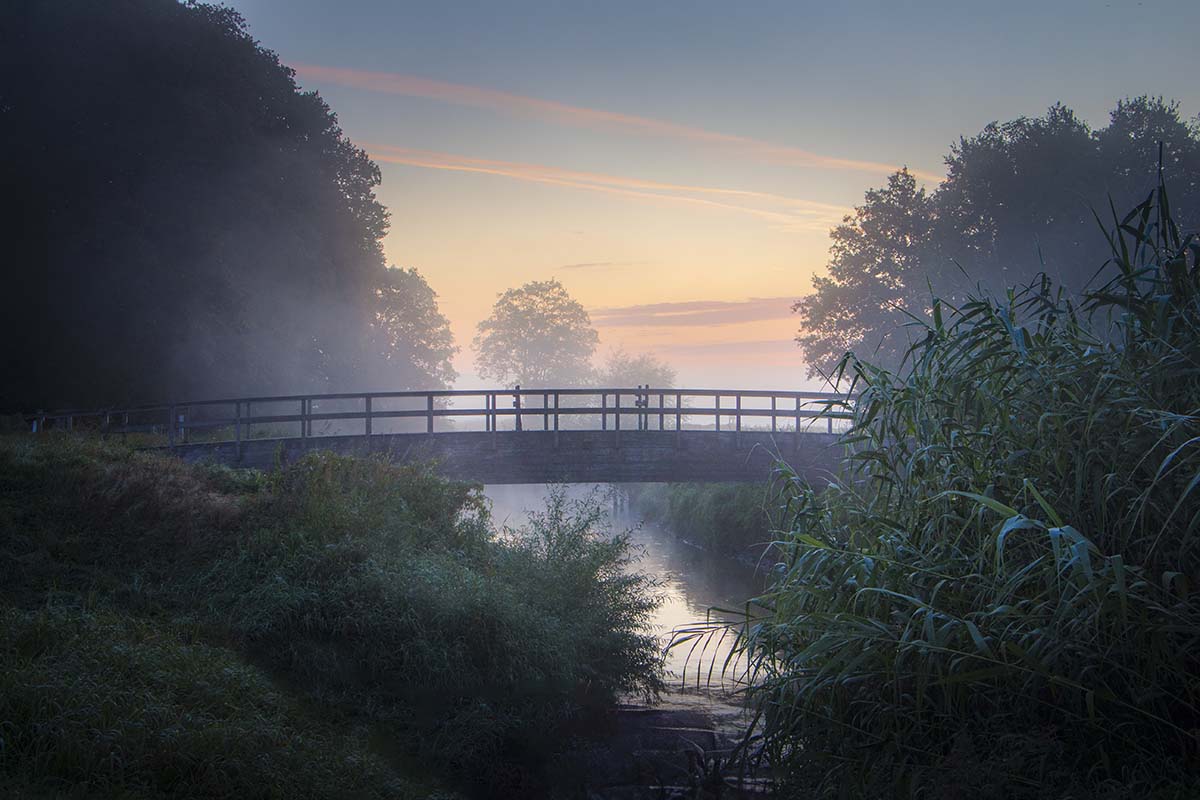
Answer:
[(342, 628), (726, 519)]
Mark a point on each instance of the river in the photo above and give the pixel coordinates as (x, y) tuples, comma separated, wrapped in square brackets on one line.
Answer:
[(691, 581)]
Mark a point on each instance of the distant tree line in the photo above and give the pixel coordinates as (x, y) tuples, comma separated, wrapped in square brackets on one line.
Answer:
[(1019, 199), (181, 220)]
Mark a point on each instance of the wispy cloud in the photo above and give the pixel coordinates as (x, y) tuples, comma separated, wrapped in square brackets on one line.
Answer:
[(705, 313), (739, 349), (505, 102), (783, 211), (594, 264)]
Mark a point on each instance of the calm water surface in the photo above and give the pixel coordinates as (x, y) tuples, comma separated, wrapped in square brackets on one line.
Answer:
[(692, 581)]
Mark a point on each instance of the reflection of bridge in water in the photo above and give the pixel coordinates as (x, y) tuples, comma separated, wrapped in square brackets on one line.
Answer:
[(505, 435)]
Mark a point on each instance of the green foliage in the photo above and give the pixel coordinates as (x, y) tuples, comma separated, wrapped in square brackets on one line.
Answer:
[(998, 597), (537, 335), (1016, 203), (97, 703), (878, 259), (725, 518), (412, 333), (376, 596), (206, 226)]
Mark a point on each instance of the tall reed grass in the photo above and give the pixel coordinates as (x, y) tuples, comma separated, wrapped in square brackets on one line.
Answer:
[(997, 598)]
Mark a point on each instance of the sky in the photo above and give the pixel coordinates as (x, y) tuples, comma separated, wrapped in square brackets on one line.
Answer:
[(678, 165)]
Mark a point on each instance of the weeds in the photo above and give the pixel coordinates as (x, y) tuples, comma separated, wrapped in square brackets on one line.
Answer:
[(340, 600)]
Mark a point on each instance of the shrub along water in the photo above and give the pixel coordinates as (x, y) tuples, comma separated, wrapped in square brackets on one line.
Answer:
[(321, 631), (997, 598), (725, 518)]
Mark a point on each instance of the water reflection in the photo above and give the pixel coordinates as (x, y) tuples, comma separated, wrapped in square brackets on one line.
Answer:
[(692, 581)]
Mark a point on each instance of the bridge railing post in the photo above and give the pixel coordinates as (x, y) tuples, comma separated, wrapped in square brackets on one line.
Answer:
[(517, 405), (662, 402), (171, 425), (546, 411), (237, 428), (717, 406), (604, 411), (304, 418), (796, 436), (429, 413), (617, 416), (367, 415), (773, 404)]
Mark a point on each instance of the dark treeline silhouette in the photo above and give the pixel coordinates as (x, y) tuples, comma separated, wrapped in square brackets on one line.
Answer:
[(180, 220), (1018, 200)]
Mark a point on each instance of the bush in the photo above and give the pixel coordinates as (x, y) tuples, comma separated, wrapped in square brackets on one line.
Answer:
[(997, 598), (378, 595), (98, 704), (725, 518)]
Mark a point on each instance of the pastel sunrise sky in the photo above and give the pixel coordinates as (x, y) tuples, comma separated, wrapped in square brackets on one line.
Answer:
[(678, 165)]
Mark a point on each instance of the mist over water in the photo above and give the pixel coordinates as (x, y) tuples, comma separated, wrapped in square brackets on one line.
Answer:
[(691, 580)]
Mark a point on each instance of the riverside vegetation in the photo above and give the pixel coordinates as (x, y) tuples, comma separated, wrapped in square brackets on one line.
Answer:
[(339, 628), (724, 518), (997, 598)]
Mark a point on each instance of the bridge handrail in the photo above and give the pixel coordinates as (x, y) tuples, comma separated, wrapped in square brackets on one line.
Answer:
[(670, 405)]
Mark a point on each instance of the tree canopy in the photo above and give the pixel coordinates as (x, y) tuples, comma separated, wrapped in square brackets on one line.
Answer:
[(537, 335), (412, 331), (181, 220), (1019, 199)]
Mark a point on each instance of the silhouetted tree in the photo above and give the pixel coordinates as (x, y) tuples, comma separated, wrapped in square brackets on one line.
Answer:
[(413, 332), (537, 335), (1018, 199), (179, 219), (876, 272)]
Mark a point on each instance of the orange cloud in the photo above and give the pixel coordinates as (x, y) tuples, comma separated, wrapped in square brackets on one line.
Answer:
[(707, 313), (505, 102), (787, 212)]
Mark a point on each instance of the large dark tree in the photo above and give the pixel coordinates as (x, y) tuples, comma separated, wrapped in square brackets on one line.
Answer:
[(179, 219), (1019, 199)]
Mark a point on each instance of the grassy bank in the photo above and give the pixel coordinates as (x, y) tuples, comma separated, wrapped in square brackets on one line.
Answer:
[(724, 518), (342, 628), (998, 597)]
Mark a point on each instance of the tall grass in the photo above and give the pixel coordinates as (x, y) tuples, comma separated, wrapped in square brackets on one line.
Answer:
[(998, 597)]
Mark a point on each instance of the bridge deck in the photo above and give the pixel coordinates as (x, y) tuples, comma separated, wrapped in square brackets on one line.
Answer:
[(505, 435), (563, 456)]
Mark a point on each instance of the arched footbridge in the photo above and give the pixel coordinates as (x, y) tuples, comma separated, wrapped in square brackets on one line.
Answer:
[(633, 435)]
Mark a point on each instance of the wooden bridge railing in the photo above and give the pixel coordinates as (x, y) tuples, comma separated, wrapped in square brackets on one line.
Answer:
[(638, 408)]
